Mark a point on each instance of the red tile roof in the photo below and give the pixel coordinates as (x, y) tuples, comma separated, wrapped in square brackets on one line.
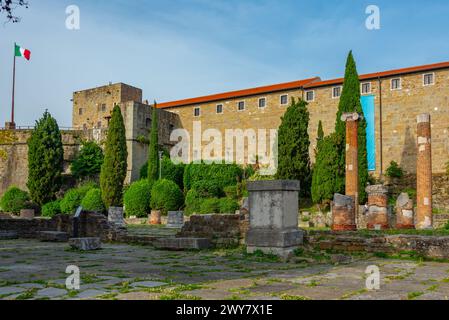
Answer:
[(306, 83), (239, 93), (383, 74)]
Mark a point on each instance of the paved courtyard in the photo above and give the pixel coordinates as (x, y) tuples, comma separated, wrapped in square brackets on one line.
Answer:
[(33, 270)]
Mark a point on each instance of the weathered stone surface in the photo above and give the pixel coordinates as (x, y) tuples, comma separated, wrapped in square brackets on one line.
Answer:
[(175, 219), (53, 236), (182, 243), (148, 284), (51, 293), (8, 235), (343, 213), (27, 213), (115, 216), (85, 244), (341, 200)]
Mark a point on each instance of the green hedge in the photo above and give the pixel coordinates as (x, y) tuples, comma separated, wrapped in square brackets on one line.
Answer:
[(51, 209), (137, 199), (166, 196), (14, 200), (193, 202), (227, 205), (222, 175), (169, 171), (208, 189), (210, 206), (93, 201), (73, 198)]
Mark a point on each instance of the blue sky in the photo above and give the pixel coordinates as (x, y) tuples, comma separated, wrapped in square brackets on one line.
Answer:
[(184, 48)]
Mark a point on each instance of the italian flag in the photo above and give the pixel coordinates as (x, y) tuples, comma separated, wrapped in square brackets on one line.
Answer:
[(21, 52)]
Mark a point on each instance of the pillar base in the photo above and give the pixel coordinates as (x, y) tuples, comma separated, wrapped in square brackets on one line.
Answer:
[(405, 227), (340, 228), (371, 226)]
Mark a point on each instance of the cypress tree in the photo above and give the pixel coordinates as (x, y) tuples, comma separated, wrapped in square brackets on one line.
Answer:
[(350, 102), (153, 154), (294, 143), (114, 167), (328, 178), (45, 160)]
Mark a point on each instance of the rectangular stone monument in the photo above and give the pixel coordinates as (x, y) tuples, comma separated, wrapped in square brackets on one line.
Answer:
[(115, 216), (273, 217), (85, 244), (175, 219)]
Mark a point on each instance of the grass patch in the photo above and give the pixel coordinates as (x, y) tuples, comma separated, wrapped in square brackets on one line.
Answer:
[(414, 295), (291, 297), (29, 294)]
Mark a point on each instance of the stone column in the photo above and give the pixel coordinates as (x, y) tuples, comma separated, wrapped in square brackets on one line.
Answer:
[(404, 212), (352, 156), (377, 218), (273, 217), (424, 174), (343, 213)]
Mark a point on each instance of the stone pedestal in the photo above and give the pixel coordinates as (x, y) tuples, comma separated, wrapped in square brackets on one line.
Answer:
[(10, 126), (424, 218), (343, 213), (405, 212), (175, 219), (115, 216), (85, 244), (377, 217), (273, 217), (155, 217), (27, 214)]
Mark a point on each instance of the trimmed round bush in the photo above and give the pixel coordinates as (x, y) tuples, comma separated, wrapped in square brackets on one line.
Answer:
[(137, 199), (228, 206), (193, 202), (93, 201), (209, 206), (73, 198), (166, 196), (14, 200), (51, 209)]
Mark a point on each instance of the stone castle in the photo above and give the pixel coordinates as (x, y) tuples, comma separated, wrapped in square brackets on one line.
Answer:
[(391, 101)]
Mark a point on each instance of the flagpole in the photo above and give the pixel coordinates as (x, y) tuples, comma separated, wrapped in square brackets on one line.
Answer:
[(13, 86)]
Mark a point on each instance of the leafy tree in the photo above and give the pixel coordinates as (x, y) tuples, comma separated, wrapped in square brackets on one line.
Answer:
[(153, 155), (327, 175), (394, 170), (350, 102), (113, 170), (88, 162), (45, 160), (294, 143), (320, 135), (8, 6)]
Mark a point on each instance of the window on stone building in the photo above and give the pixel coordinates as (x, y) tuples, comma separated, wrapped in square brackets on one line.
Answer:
[(366, 88), (262, 103), (80, 111), (336, 92), (219, 108), (310, 96), (99, 125), (284, 99), (103, 107), (429, 79), (396, 84), (241, 106), (196, 112), (148, 122)]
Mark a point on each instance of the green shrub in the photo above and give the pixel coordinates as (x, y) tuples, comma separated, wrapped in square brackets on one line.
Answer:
[(233, 192), (144, 171), (93, 201), (394, 170), (88, 162), (228, 205), (193, 202), (222, 174), (51, 209), (14, 200), (137, 199), (170, 171), (208, 189), (73, 198), (166, 196), (209, 206)]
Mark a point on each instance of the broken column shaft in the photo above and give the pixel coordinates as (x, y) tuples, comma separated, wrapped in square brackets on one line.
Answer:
[(424, 174), (377, 218)]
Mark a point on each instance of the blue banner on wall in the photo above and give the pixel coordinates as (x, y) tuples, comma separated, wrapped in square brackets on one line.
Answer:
[(369, 112)]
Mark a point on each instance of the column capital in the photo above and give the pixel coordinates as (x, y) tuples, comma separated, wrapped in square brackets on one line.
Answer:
[(351, 116)]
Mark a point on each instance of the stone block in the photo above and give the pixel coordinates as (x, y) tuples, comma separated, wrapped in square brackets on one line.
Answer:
[(115, 216), (182, 243), (175, 219), (85, 244), (53, 236), (27, 214), (8, 235)]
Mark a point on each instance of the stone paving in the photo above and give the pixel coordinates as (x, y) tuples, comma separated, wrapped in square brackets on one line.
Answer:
[(33, 270)]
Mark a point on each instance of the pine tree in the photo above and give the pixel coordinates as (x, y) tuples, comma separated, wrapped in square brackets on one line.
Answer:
[(45, 160), (328, 178), (294, 143), (153, 154), (114, 168), (350, 102), (320, 137)]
